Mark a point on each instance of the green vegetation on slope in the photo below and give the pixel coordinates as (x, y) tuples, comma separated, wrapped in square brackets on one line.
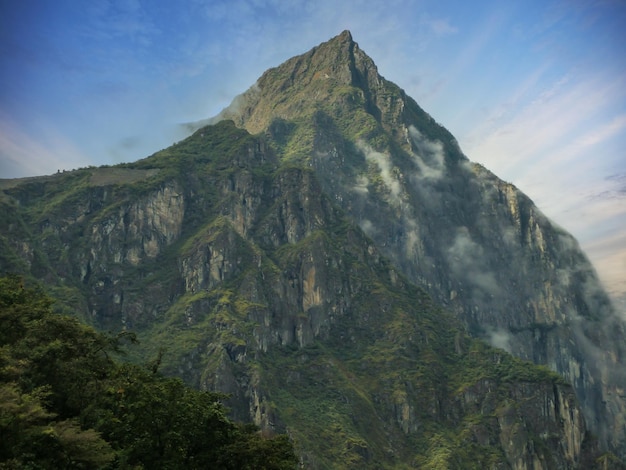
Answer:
[(270, 294), (66, 403)]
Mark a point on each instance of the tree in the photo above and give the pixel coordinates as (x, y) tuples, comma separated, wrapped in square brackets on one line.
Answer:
[(65, 403)]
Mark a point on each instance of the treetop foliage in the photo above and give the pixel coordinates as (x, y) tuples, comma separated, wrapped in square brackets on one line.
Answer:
[(65, 402)]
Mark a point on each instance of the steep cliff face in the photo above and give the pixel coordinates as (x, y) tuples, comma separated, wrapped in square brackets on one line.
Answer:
[(476, 243), (258, 285), (281, 268)]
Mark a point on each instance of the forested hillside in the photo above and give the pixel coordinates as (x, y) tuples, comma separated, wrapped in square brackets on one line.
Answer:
[(66, 402)]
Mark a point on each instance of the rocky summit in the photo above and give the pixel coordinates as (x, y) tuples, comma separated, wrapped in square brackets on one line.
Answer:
[(324, 252)]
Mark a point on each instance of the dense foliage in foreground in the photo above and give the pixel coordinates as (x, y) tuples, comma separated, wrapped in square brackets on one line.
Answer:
[(66, 403)]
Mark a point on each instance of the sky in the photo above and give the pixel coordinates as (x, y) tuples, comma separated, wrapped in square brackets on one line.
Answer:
[(535, 90)]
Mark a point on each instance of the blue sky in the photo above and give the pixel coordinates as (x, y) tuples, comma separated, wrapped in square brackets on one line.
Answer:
[(534, 90)]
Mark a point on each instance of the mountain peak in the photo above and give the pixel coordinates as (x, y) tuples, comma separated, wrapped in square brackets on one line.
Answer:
[(285, 269), (335, 60), (345, 36), (335, 78), (339, 58), (342, 43), (305, 82)]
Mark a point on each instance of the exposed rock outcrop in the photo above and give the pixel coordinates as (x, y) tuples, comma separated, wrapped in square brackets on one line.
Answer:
[(282, 267), (476, 243)]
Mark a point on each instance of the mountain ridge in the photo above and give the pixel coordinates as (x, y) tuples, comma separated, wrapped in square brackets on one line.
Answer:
[(284, 261), (433, 178)]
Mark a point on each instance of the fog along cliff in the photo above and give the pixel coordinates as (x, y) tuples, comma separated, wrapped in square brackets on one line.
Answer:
[(476, 243), (286, 262)]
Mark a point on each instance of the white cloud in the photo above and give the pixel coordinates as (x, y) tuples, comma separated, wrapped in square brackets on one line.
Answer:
[(472, 50), (466, 258), (441, 27), (499, 338), (430, 157), (559, 149), (361, 186), (128, 19), (565, 112), (368, 227), (383, 162), (604, 131), (24, 155), (609, 256)]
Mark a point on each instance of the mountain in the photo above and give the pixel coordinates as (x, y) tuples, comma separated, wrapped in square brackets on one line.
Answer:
[(477, 244), (324, 252)]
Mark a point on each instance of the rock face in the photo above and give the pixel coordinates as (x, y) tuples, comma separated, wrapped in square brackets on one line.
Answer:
[(476, 243), (291, 259)]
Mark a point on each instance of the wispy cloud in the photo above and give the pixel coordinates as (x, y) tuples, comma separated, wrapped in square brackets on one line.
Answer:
[(386, 168), (472, 50), (609, 257), (619, 181), (23, 155), (546, 149), (603, 132), (565, 112), (467, 260), (499, 338), (429, 156), (439, 26), (127, 19)]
